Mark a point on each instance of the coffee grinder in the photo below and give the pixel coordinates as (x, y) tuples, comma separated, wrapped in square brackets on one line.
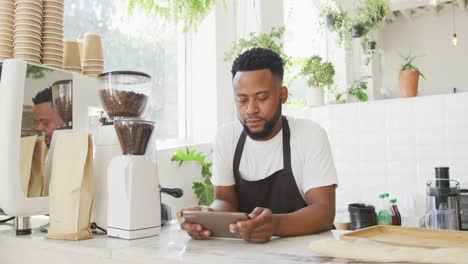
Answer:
[(133, 202)]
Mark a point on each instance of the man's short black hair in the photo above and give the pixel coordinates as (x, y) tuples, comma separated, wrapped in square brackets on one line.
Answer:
[(43, 96), (257, 59)]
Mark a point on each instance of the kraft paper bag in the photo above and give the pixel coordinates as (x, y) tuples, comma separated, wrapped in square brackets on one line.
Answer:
[(71, 188), (32, 161)]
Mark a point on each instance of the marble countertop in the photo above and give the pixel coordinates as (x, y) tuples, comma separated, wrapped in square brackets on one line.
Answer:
[(171, 246)]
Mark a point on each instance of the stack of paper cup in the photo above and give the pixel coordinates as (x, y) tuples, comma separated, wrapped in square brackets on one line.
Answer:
[(52, 33), (93, 59), (27, 32), (7, 12), (71, 56)]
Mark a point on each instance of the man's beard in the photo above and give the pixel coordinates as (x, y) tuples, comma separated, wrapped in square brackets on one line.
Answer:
[(268, 127)]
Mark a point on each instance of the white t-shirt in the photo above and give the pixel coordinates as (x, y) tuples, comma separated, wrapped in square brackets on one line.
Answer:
[(311, 158)]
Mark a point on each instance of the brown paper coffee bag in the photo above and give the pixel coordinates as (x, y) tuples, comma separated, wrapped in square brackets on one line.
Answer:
[(71, 188), (36, 180), (32, 161)]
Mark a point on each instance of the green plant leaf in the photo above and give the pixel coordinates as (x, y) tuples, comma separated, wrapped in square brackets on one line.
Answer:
[(204, 189), (190, 12), (204, 192)]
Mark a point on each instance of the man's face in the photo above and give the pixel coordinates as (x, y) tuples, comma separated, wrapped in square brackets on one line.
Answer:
[(259, 95), (46, 120)]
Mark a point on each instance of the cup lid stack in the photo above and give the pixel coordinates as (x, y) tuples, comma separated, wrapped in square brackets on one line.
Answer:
[(27, 33), (92, 60), (52, 33), (7, 12)]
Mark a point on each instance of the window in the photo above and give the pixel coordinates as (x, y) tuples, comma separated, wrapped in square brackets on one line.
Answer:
[(138, 43), (305, 36)]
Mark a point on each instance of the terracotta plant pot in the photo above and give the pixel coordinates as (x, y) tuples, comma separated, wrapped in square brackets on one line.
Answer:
[(408, 83)]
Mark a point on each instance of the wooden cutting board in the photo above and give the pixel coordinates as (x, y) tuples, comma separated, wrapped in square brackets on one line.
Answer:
[(410, 236)]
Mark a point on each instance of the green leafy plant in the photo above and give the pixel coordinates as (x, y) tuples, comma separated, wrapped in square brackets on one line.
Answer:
[(339, 21), (358, 89), (271, 40), (369, 15), (366, 19), (191, 12), (204, 189), (408, 65), (316, 72)]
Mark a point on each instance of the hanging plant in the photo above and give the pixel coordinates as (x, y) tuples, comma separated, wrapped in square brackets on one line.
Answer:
[(190, 12), (338, 21)]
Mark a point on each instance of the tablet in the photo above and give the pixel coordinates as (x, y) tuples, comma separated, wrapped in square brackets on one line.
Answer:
[(217, 222)]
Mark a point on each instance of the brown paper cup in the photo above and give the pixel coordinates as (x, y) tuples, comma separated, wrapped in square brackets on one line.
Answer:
[(52, 56), (6, 31), (56, 14), (26, 51), (27, 44), (71, 54), (6, 53), (52, 46), (93, 69), (30, 5), (50, 8), (28, 11), (53, 19), (5, 45), (7, 6), (33, 16), (92, 47), (22, 37), (7, 17), (53, 30), (51, 24), (24, 26), (56, 51), (29, 57), (6, 36), (52, 61), (24, 32), (31, 20), (50, 35)]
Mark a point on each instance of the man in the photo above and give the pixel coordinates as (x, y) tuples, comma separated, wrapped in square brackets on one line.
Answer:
[(277, 169), (45, 116)]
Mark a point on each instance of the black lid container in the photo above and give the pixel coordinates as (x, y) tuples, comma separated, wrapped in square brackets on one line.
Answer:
[(362, 215)]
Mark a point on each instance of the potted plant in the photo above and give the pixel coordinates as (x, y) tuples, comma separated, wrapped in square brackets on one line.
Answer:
[(337, 97), (358, 89), (369, 15), (318, 75), (338, 21), (409, 77)]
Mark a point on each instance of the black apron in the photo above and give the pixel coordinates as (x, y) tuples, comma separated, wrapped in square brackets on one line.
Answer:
[(278, 192)]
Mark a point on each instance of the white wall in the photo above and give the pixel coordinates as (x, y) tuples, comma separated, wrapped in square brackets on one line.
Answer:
[(429, 35), (394, 145)]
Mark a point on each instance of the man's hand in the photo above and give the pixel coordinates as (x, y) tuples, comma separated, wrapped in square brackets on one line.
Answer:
[(196, 231), (259, 229)]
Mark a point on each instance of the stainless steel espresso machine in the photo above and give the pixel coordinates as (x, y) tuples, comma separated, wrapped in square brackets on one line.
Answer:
[(21, 81)]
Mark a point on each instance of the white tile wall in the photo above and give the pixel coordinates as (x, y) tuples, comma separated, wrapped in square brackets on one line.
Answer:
[(394, 145)]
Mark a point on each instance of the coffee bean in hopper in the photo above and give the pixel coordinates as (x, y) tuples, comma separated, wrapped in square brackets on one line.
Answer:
[(123, 103)]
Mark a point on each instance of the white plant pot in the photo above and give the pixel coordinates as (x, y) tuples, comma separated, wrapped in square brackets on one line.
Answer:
[(314, 96)]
